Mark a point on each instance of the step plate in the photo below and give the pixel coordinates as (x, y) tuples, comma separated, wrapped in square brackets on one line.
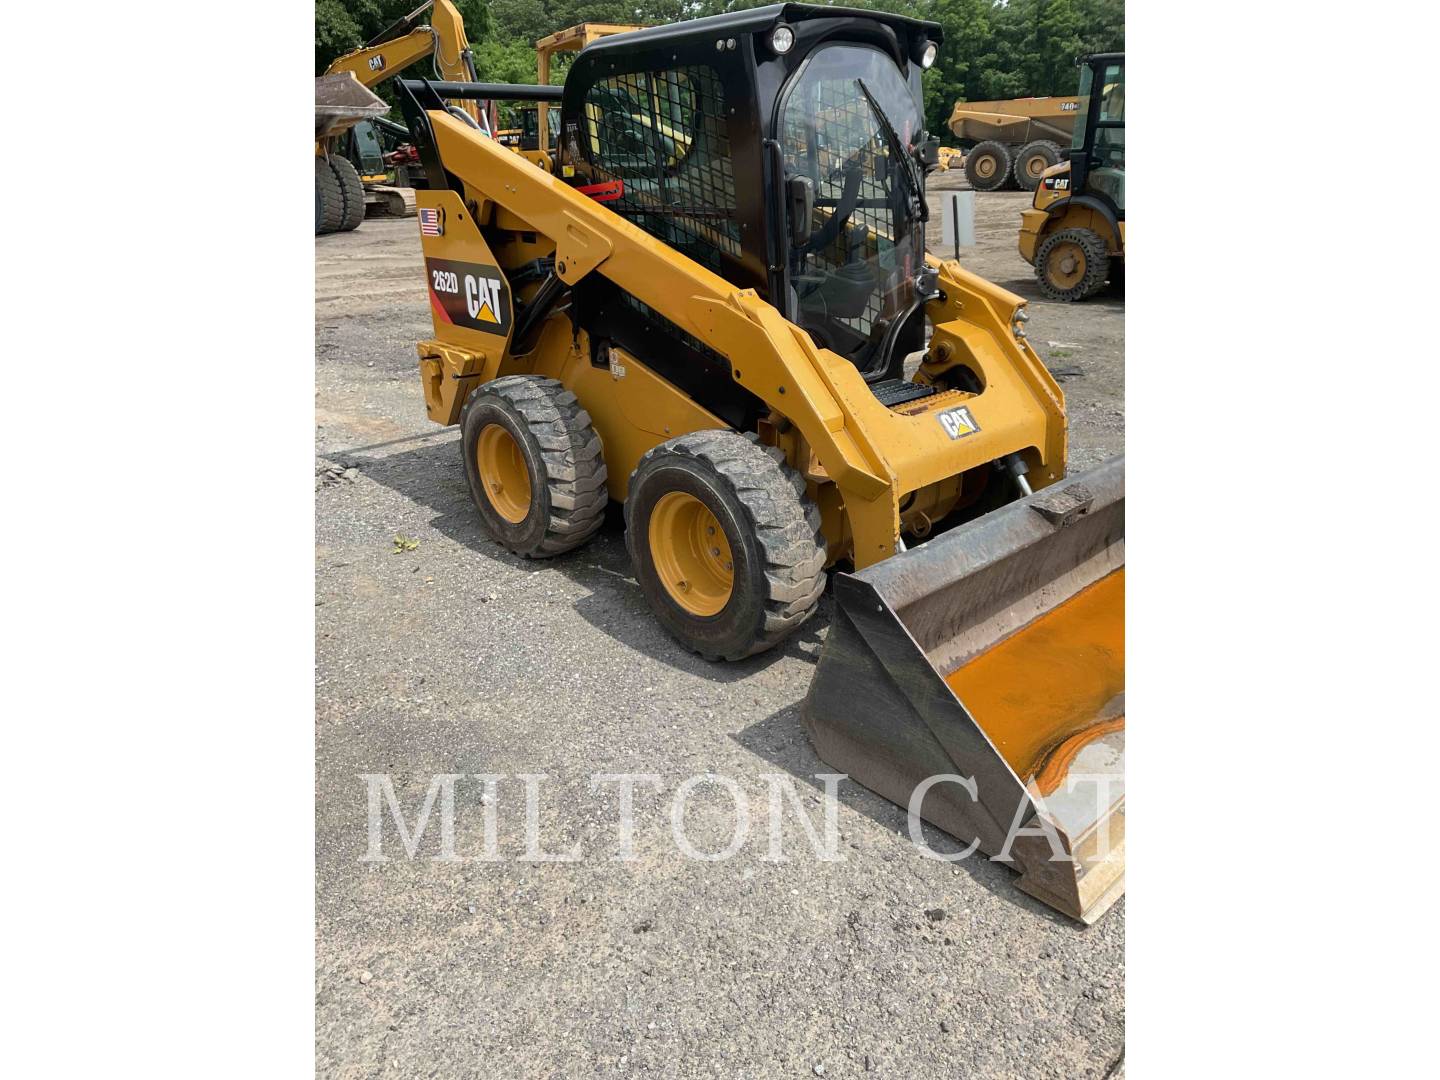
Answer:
[(893, 392)]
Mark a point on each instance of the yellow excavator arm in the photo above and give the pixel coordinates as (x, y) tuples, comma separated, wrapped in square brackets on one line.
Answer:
[(410, 41)]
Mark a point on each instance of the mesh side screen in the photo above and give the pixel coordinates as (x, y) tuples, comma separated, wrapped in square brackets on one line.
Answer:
[(664, 134)]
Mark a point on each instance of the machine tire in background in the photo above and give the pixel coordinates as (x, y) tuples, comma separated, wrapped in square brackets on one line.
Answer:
[(724, 542), (352, 192), (534, 464), (987, 165), (1072, 264), (1032, 161), (329, 199)]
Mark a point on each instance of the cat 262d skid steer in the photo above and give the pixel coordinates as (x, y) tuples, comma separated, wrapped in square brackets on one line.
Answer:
[(705, 313)]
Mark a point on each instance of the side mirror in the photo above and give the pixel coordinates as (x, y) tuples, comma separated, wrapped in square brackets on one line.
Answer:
[(929, 153), (800, 201)]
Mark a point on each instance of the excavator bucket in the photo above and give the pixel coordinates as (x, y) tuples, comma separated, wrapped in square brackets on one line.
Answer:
[(981, 677)]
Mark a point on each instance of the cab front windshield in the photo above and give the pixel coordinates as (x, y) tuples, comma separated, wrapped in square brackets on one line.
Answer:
[(855, 254)]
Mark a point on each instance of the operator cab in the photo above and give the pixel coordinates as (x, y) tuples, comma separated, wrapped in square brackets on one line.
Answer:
[(781, 147), (1097, 156)]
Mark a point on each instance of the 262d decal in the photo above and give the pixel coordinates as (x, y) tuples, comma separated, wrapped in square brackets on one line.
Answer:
[(472, 295)]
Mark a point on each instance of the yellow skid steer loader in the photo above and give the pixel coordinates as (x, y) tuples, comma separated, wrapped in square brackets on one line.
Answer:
[(720, 328)]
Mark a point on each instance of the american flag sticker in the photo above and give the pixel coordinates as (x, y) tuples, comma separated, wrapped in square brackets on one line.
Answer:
[(430, 223)]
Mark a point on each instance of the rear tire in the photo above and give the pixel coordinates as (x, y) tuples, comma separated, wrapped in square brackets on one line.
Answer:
[(1072, 264), (724, 495), (352, 193), (988, 165), (534, 464), (329, 200), (1032, 161)]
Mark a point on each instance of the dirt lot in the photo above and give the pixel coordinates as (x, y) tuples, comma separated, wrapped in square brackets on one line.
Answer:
[(453, 657)]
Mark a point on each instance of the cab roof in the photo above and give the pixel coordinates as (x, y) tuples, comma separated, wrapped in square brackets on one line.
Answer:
[(758, 20)]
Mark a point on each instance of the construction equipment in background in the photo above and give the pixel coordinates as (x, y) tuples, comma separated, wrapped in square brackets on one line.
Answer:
[(1012, 142), (340, 103), (1074, 232), (399, 156), (714, 331), (571, 39), (948, 157), (356, 155), (526, 138)]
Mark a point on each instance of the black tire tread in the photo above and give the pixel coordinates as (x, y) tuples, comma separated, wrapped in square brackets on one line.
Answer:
[(332, 200), (352, 192), (572, 454), (781, 517), (1097, 264)]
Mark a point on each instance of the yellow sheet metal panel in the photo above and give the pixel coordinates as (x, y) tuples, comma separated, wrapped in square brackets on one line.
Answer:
[(1032, 223), (470, 300), (1018, 120), (633, 409), (447, 376)]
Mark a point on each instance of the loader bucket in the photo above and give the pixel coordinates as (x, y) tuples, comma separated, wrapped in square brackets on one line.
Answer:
[(993, 656), (341, 102)]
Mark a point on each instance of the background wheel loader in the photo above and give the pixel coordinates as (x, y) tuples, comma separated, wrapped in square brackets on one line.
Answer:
[(714, 329), (1074, 232)]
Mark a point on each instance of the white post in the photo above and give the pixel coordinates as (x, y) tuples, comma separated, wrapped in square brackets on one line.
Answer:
[(958, 219)]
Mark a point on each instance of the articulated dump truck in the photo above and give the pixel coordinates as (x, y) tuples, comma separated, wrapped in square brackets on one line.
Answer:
[(1014, 141), (715, 307)]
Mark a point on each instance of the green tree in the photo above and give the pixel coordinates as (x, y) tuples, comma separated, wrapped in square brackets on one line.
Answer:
[(991, 48)]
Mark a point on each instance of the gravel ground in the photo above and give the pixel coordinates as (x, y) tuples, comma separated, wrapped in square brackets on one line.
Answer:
[(444, 654)]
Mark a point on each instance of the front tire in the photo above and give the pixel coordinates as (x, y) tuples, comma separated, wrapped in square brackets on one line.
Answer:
[(534, 464), (1072, 264), (988, 165), (724, 542)]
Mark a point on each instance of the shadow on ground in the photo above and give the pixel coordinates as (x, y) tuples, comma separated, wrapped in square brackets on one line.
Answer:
[(781, 740), (426, 469), (1111, 298)]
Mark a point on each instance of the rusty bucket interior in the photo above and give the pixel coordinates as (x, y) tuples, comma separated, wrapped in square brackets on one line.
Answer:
[(994, 656)]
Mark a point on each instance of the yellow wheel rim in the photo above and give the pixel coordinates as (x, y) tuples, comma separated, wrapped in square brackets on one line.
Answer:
[(1037, 165), (691, 555), (1065, 265), (986, 166), (503, 473)]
